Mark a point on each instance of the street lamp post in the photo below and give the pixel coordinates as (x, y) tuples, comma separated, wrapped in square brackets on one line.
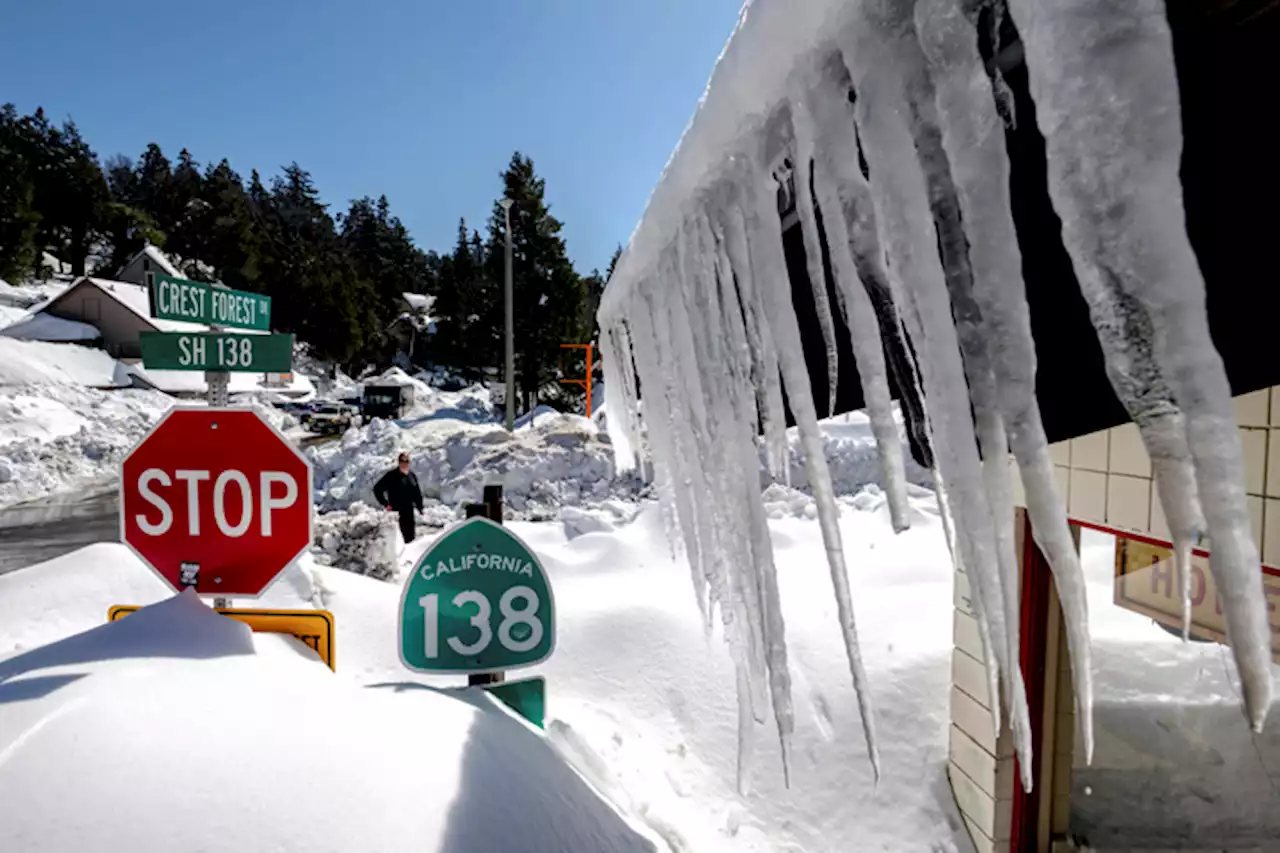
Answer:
[(510, 311)]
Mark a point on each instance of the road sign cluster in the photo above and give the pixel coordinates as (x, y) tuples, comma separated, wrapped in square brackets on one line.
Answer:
[(218, 351)]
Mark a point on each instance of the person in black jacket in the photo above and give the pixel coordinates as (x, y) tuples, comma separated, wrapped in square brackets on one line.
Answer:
[(398, 491)]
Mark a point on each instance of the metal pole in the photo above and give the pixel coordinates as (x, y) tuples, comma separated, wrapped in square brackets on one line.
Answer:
[(510, 311), (218, 396)]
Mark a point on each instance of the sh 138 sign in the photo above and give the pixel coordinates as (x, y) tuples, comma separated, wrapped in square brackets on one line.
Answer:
[(477, 601)]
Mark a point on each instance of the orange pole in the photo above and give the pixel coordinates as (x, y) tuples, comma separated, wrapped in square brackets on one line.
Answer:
[(586, 382)]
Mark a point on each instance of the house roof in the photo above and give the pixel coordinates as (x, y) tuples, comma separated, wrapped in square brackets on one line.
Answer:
[(419, 301), (156, 257), (134, 297)]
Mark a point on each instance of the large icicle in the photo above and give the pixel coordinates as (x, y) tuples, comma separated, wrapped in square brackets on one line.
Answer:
[(808, 111), (757, 219), (884, 57), (800, 177), (765, 375), (971, 332), (973, 136), (722, 346), (1102, 75), (724, 439)]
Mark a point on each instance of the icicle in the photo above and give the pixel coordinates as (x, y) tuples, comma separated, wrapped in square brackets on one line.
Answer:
[(884, 58), (724, 346), (800, 176), (765, 375), (1102, 75), (859, 313), (973, 137), (725, 439), (619, 397), (759, 218)]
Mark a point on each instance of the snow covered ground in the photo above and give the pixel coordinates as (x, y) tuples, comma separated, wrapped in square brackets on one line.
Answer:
[(640, 701)]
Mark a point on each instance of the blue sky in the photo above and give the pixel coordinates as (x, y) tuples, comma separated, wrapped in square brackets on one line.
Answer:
[(422, 100)]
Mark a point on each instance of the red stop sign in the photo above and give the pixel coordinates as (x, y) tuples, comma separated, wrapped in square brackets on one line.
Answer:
[(218, 499)]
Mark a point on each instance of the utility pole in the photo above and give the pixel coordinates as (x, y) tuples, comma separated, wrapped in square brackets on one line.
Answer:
[(510, 310)]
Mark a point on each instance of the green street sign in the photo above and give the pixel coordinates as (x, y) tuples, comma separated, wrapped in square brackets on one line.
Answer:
[(197, 302), (477, 601), (219, 351), (527, 697)]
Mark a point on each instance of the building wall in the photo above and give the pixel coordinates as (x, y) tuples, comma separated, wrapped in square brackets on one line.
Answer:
[(1106, 476), (980, 757), (87, 303), (1106, 479)]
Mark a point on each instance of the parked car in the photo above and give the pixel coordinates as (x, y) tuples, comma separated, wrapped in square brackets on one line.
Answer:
[(329, 418)]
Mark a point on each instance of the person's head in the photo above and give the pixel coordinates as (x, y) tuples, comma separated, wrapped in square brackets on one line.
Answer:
[(403, 461)]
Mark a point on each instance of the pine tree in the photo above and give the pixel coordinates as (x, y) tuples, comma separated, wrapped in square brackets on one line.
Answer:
[(225, 217), (547, 293), (19, 220), (189, 235)]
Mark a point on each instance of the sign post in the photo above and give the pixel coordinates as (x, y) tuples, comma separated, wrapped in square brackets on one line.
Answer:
[(216, 499)]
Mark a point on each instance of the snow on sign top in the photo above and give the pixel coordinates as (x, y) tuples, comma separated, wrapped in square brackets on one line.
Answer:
[(699, 311), (216, 499), (477, 601)]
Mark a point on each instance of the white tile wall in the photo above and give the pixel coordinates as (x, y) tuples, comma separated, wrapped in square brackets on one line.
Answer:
[(1128, 455), (1253, 443), (1128, 501), (1060, 453), (1271, 532), (1091, 451), (1088, 498), (1273, 452), (1251, 409), (1101, 475)]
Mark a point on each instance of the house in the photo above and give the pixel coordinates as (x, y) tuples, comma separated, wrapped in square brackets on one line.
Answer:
[(119, 310), (150, 259)]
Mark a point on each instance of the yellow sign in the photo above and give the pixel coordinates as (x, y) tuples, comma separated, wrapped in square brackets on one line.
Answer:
[(1147, 582), (315, 628)]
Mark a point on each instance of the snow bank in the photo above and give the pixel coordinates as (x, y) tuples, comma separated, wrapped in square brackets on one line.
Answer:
[(561, 460), (37, 361), (639, 702), (58, 437), (46, 327), (187, 700)]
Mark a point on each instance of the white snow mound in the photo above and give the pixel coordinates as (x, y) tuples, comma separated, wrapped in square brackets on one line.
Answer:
[(177, 729)]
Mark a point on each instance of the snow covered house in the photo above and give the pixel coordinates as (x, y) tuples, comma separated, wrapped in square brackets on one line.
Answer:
[(117, 310), (149, 259), (907, 200)]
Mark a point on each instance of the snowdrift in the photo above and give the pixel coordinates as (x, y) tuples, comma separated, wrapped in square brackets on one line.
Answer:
[(178, 729)]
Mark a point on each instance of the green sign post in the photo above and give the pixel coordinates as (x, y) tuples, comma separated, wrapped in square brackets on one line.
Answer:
[(477, 601), (197, 302), (217, 351)]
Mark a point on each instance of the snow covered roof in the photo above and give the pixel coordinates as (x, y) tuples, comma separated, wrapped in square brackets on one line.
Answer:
[(135, 298), (39, 326), (23, 362), (157, 257), (750, 77), (420, 302)]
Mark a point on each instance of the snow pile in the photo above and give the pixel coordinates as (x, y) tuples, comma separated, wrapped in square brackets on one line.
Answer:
[(434, 774), (366, 540), (58, 437), (698, 313), (36, 361), (639, 702), (561, 460)]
